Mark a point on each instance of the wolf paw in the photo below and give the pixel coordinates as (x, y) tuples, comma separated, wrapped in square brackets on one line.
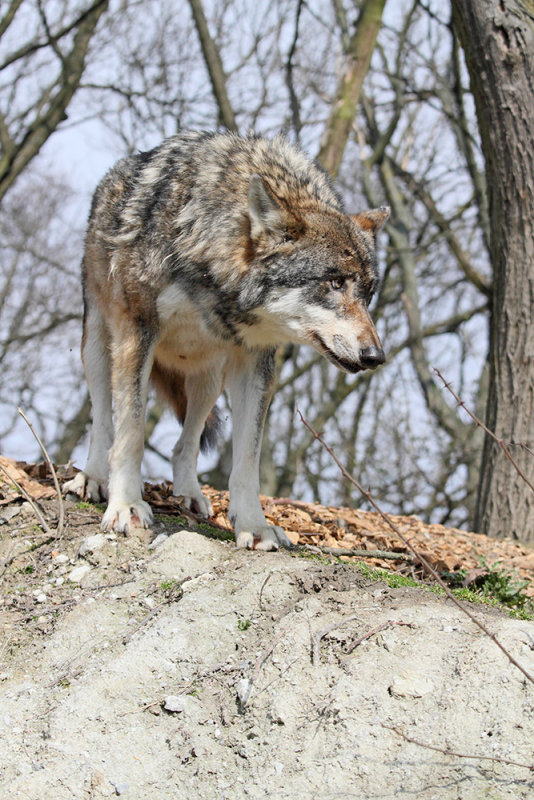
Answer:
[(122, 517), (195, 501), (86, 488), (266, 537)]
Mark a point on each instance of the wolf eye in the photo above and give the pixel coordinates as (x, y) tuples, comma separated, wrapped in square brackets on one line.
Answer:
[(337, 283)]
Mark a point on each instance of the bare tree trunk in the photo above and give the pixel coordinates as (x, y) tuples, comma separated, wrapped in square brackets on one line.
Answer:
[(498, 40), (358, 57), (214, 66)]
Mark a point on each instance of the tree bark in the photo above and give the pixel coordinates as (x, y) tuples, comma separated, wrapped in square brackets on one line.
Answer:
[(498, 40), (214, 66), (344, 106)]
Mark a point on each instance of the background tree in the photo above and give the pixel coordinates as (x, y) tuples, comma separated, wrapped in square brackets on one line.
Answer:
[(405, 134), (55, 42), (498, 41)]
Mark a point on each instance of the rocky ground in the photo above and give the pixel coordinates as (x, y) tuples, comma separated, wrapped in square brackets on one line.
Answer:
[(168, 664)]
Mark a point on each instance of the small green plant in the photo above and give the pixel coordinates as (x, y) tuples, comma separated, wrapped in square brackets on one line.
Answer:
[(243, 624), (493, 583), (85, 505), (29, 569), (501, 584), (167, 586)]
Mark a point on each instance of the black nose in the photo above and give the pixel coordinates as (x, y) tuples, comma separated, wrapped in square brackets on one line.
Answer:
[(372, 357)]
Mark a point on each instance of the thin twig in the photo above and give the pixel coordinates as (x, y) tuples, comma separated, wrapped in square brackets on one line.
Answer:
[(175, 594), (61, 507), (25, 494), (10, 558), (480, 424), (447, 752), (344, 551), (316, 644), (356, 642), (263, 587), (419, 556)]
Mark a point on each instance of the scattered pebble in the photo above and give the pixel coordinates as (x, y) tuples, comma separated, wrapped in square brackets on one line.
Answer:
[(79, 573), (161, 537), (120, 788), (91, 544), (411, 684), (243, 689), (61, 558), (174, 703), (41, 597), (8, 513)]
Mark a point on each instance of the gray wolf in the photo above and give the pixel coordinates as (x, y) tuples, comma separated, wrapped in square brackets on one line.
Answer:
[(202, 256)]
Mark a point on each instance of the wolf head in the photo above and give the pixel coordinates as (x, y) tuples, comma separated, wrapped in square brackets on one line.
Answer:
[(312, 276)]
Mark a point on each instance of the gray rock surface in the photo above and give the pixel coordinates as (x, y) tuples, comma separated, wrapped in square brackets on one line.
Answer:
[(211, 693)]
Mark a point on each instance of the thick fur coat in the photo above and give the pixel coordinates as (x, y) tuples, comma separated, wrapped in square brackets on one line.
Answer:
[(201, 257)]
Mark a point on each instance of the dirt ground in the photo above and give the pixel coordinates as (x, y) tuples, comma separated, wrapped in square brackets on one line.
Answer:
[(168, 664)]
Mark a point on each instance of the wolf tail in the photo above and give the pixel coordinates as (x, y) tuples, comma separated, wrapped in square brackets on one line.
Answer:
[(170, 386)]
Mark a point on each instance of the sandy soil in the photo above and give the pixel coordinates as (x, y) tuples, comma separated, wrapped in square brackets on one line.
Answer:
[(180, 667)]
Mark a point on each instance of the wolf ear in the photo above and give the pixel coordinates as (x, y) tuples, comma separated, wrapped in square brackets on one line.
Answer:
[(266, 216), (371, 220)]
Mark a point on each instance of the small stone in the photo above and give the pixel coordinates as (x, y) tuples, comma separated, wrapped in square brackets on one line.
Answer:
[(277, 713), (411, 684), (79, 573), (161, 537), (174, 703), (41, 597), (8, 513), (121, 788), (91, 544), (243, 689), (61, 558)]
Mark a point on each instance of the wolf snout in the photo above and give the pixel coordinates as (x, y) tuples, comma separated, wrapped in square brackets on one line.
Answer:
[(371, 357)]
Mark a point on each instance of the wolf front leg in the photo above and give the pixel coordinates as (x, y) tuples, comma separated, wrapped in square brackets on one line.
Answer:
[(202, 390), (92, 483), (251, 386), (132, 355)]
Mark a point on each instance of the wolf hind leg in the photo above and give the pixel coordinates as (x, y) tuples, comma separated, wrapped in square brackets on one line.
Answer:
[(133, 350), (92, 483), (251, 386), (202, 390)]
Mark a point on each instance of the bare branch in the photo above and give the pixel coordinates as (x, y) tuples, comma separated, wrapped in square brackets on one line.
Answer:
[(61, 507), (345, 103), (486, 430), (420, 557), (214, 66), (57, 98), (447, 752), (293, 99), (8, 17)]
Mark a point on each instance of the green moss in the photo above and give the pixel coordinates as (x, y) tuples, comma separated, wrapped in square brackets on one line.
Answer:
[(85, 505)]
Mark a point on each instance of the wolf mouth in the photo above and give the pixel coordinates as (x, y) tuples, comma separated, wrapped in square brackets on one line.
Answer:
[(341, 363)]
